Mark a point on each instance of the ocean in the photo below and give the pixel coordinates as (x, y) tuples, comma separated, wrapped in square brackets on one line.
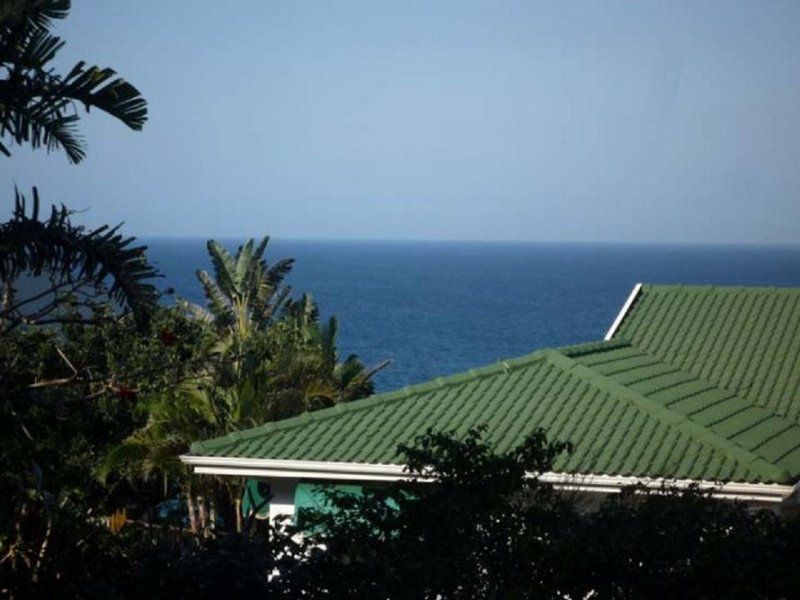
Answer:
[(436, 308)]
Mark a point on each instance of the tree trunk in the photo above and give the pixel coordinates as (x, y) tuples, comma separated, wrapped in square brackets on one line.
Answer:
[(237, 505), (191, 509), (212, 514), (201, 511)]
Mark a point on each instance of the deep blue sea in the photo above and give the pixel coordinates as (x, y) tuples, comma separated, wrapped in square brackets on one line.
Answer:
[(436, 308)]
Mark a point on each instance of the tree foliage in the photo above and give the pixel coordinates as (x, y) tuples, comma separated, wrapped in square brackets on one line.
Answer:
[(469, 523), (245, 293), (276, 357), (475, 523), (77, 265), (102, 388), (41, 107), (269, 357)]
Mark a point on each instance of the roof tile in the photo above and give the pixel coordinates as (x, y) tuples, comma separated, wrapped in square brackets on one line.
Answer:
[(698, 382)]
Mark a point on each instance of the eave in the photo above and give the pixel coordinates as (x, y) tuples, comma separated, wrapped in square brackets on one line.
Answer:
[(585, 483)]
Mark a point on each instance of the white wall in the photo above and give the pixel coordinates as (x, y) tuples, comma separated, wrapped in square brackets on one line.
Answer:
[(282, 502)]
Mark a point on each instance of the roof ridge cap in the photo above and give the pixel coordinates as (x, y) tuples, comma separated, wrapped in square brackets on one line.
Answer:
[(502, 366), (710, 287), (593, 347), (769, 470)]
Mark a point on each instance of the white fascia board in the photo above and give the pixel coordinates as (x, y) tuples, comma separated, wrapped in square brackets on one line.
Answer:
[(762, 492), (272, 473), (265, 467), (298, 465), (624, 311), (344, 471)]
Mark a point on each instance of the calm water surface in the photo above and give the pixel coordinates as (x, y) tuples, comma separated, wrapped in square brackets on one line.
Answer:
[(438, 308)]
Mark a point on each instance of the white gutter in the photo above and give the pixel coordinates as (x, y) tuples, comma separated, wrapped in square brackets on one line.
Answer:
[(625, 308), (605, 484), (268, 467), (750, 492)]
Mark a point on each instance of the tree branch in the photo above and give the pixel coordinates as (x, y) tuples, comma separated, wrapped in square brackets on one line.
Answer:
[(75, 285)]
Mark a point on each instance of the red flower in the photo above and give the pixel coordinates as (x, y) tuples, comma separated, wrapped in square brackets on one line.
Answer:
[(126, 393), (167, 337)]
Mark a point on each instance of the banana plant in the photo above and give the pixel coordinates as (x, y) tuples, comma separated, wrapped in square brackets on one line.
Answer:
[(245, 293)]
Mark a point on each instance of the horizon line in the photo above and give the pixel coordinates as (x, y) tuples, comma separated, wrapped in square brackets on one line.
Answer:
[(469, 241)]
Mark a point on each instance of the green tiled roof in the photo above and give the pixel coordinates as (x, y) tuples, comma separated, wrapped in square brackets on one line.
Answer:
[(675, 394), (745, 340)]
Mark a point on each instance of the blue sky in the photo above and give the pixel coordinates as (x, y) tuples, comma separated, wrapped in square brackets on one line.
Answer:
[(551, 121)]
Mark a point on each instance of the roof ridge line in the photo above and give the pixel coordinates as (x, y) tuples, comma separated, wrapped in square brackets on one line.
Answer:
[(502, 366), (731, 393), (683, 423), (722, 288), (591, 347)]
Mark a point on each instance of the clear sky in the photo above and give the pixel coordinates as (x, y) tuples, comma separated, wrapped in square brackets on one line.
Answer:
[(574, 121)]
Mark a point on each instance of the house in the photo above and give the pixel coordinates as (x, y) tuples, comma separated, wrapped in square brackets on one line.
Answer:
[(690, 385)]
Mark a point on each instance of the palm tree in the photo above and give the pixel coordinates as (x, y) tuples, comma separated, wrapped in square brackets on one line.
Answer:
[(301, 326), (294, 366), (273, 359), (77, 266), (176, 418), (41, 107)]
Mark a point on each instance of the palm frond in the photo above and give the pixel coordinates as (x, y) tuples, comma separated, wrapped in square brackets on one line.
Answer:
[(40, 106), (58, 132), (278, 272), (70, 253), (97, 87), (259, 250), (258, 266), (145, 454), (328, 334), (356, 381), (195, 311), (278, 301), (37, 48), (218, 302), (38, 13), (224, 267), (244, 262), (250, 291)]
